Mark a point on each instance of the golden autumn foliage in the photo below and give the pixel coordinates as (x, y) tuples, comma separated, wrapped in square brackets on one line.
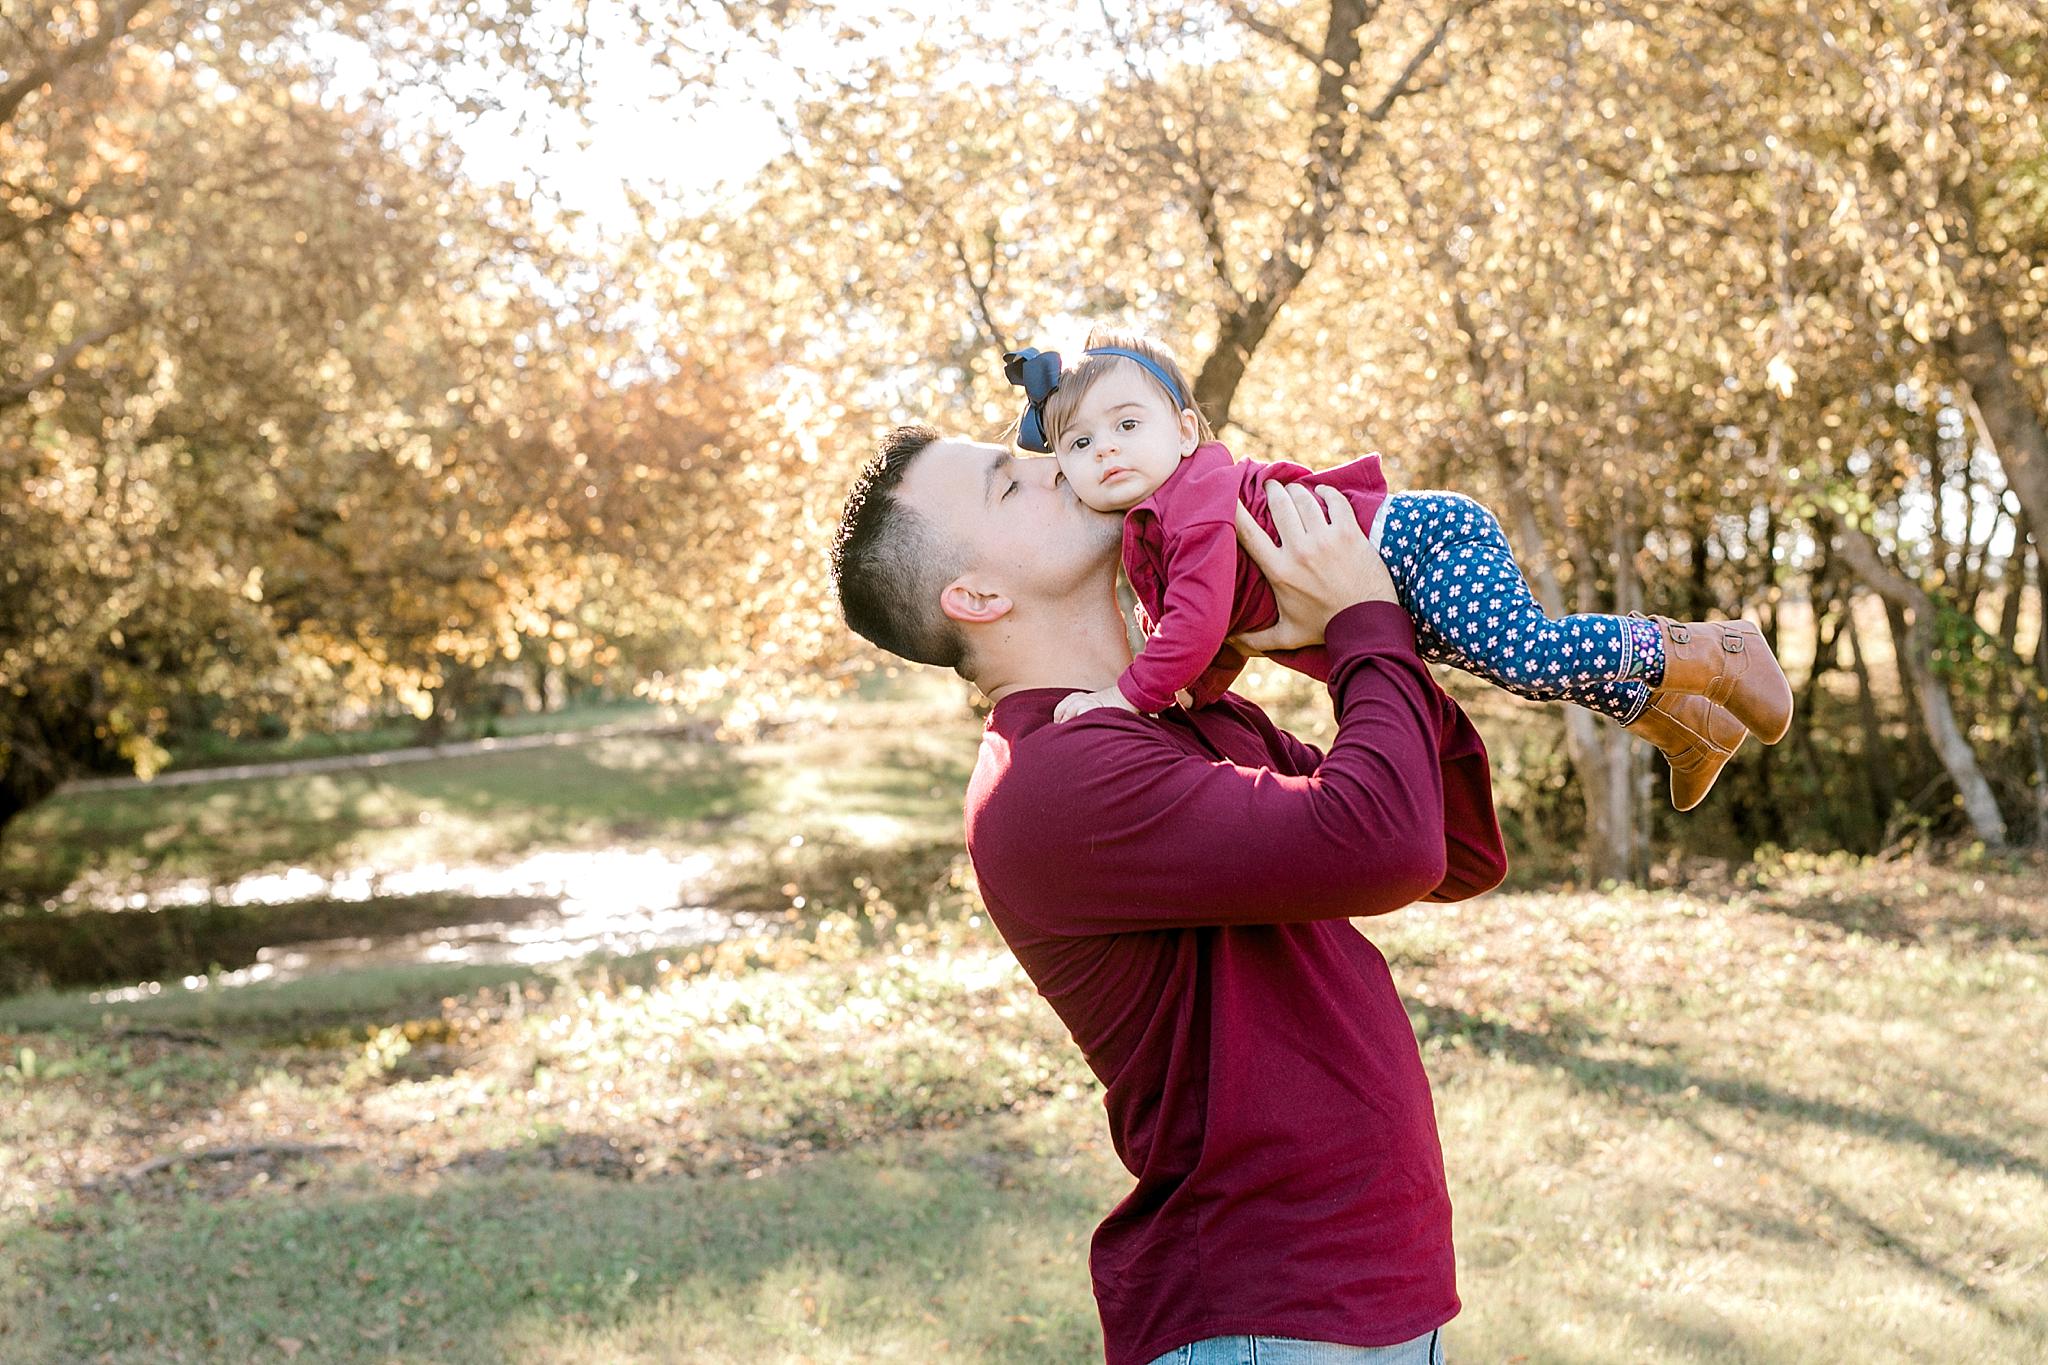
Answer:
[(1723, 307)]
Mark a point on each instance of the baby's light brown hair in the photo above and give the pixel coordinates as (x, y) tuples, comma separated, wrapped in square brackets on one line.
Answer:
[(1075, 382)]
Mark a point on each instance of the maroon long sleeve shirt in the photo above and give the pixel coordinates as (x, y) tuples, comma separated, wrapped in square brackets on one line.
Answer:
[(1198, 587), (1178, 888)]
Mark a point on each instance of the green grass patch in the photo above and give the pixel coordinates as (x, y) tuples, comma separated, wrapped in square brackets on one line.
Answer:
[(98, 947), (266, 1010), (886, 1253), (1792, 1111), (1715, 1127), (887, 773), (213, 750)]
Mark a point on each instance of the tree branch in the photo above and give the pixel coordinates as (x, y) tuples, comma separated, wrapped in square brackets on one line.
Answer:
[(57, 212), (979, 288), (17, 393), (1401, 87), (1212, 233), (1274, 33), (83, 52)]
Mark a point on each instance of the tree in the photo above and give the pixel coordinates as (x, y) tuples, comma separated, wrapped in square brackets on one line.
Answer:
[(291, 408)]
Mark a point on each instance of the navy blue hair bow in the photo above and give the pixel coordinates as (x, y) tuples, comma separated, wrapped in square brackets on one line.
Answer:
[(1038, 374)]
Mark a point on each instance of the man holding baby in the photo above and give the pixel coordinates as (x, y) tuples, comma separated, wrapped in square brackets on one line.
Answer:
[(1179, 887)]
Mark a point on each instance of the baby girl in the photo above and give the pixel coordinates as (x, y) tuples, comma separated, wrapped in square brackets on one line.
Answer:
[(1129, 439)]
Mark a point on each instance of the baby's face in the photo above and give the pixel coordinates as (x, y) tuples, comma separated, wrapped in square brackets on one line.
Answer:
[(1125, 440)]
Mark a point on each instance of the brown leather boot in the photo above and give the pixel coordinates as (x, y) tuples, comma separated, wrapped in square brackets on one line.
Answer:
[(1697, 737), (1728, 663)]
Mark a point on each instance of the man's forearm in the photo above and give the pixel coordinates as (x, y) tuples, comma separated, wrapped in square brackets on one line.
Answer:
[(1128, 829)]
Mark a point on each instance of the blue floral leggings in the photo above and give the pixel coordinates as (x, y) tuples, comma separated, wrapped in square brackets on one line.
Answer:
[(1455, 574)]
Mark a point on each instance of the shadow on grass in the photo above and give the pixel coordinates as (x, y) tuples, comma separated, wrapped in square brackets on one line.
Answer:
[(919, 1250), (1702, 1334), (1705, 1337), (635, 787), (1875, 1233), (905, 777), (1878, 914), (835, 874), (1641, 1082)]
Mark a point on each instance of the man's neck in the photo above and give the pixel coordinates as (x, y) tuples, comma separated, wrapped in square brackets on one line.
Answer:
[(1079, 644)]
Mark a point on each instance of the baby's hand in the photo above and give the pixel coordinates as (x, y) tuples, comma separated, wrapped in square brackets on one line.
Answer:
[(1075, 703)]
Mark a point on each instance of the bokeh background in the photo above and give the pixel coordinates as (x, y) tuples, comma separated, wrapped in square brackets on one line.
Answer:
[(378, 375)]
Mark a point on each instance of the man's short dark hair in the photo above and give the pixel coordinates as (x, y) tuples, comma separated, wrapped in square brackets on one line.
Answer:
[(891, 564)]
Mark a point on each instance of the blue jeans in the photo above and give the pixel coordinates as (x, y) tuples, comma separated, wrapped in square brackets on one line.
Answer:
[(1427, 1349)]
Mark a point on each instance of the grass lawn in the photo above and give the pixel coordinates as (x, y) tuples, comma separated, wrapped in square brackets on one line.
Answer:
[(1722, 1126), (885, 773), (212, 750), (1792, 1113)]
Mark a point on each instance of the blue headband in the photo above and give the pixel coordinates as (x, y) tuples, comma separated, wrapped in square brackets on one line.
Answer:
[(1038, 374)]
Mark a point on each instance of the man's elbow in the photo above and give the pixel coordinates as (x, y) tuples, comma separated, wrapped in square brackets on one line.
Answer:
[(1478, 871), (1412, 873), (1432, 867)]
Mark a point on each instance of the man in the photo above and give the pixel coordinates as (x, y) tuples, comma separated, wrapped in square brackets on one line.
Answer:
[(1178, 887)]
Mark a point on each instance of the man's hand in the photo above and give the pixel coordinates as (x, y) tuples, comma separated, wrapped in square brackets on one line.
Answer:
[(1322, 564), (1076, 703)]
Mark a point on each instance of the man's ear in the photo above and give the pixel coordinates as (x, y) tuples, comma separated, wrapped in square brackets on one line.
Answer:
[(971, 605), (1190, 433)]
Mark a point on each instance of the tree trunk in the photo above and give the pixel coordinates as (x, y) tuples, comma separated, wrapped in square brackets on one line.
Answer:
[(1979, 350), (2012, 578), (2025, 675), (53, 734), (1909, 687), (1638, 777), (1604, 757), (1768, 607), (1877, 750), (1827, 634), (1699, 583), (1339, 118), (2040, 604), (2028, 713), (1616, 818), (454, 703), (1766, 819), (1601, 753), (1332, 152), (1916, 655)]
